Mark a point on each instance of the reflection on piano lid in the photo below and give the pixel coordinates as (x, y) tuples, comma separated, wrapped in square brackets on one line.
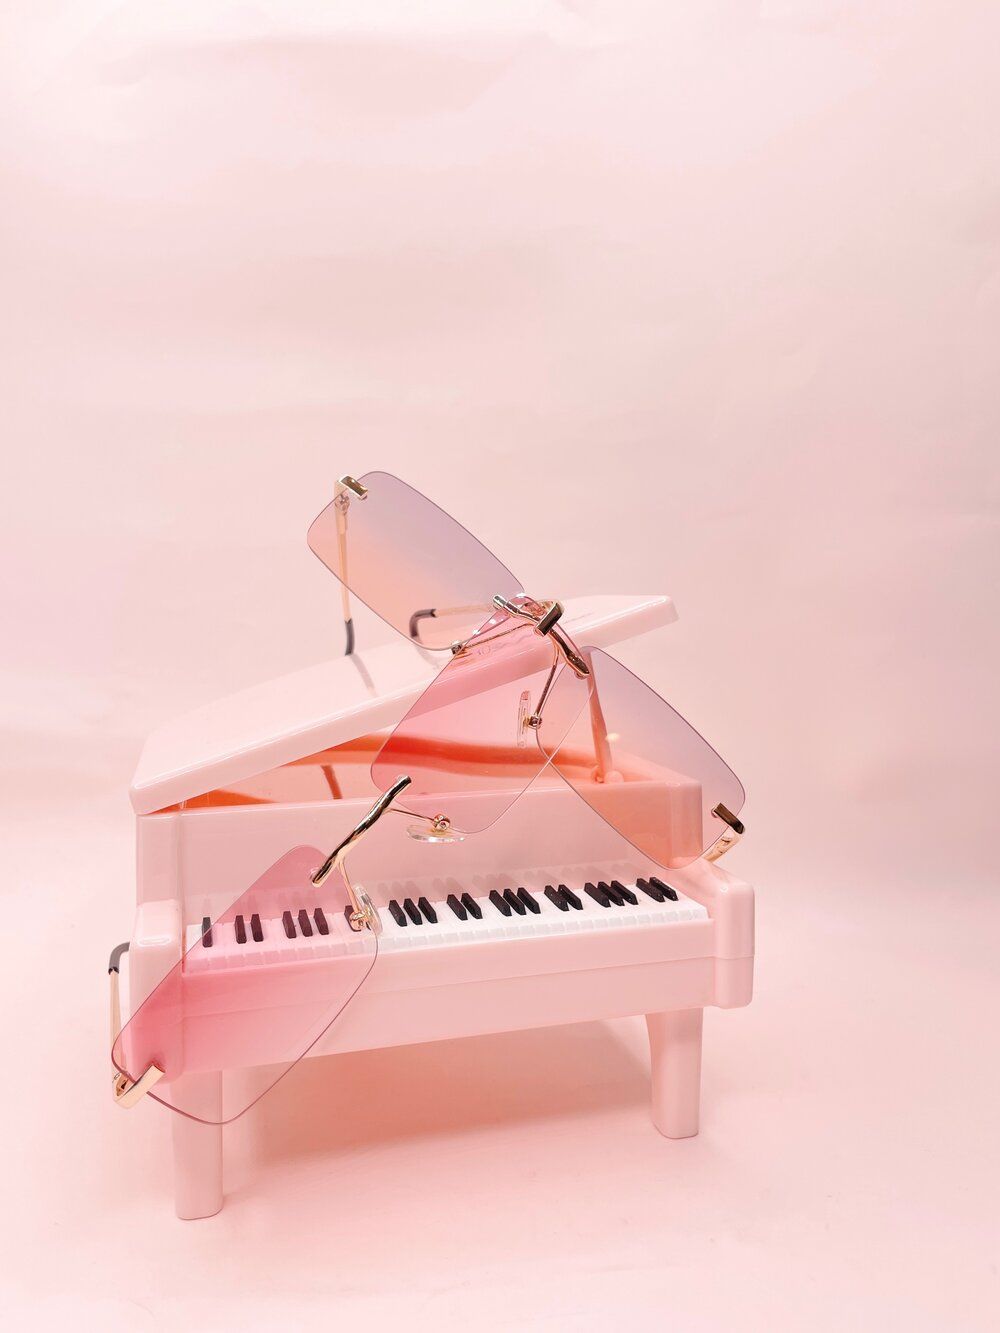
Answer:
[(285, 720)]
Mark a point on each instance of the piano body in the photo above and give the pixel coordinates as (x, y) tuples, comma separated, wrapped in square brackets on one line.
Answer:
[(547, 917)]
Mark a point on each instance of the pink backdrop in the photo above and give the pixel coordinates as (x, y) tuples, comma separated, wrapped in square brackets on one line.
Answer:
[(693, 299)]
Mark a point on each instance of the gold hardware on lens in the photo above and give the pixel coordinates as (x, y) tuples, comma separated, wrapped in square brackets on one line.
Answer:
[(436, 829), (548, 620), (350, 484), (126, 1091), (730, 838)]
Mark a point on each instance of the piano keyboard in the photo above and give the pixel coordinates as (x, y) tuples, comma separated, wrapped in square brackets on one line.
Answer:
[(428, 913), (561, 906)]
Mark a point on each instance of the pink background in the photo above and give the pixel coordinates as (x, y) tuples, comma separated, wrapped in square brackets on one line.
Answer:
[(699, 299)]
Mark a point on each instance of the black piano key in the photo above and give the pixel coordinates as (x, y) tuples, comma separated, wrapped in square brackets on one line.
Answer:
[(289, 924), (305, 925), (574, 899), (645, 886), (459, 908), (412, 911), (627, 894), (256, 929), (428, 911), (664, 888), (515, 902), (241, 930), (499, 902), (472, 907), (555, 896), (206, 932), (322, 925), (613, 894), (598, 895), (397, 913), (528, 901)]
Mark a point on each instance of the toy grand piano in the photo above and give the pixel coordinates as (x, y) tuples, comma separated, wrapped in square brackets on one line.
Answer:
[(547, 917)]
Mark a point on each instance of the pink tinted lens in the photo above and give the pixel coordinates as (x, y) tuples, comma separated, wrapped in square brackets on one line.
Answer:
[(639, 765), (409, 561), (259, 987), (466, 743)]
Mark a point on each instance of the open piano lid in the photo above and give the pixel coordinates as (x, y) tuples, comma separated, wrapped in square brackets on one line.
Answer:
[(283, 720)]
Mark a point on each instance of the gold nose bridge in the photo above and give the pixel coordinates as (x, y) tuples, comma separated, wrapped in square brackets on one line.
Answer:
[(545, 619), (363, 912)]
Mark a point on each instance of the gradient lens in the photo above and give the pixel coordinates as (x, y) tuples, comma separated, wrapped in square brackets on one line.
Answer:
[(259, 988), (408, 560), (638, 764), (467, 743)]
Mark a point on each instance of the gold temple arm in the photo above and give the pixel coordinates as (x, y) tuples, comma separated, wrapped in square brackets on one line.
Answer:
[(126, 1091), (437, 612), (346, 487)]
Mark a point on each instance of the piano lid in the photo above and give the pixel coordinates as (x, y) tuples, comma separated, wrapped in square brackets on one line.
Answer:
[(282, 720)]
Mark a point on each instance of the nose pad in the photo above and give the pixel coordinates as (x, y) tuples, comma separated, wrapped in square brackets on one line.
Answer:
[(523, 724), (436, 829)]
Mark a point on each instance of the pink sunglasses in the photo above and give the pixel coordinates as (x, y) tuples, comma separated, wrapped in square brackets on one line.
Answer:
[(517, 693)]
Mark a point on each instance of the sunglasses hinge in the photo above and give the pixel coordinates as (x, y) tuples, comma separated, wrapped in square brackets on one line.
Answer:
[(727, 840), (729, 818), (550, 618), (352, 484)]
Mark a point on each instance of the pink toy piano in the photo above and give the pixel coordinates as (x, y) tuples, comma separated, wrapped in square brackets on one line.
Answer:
[(547, 917)]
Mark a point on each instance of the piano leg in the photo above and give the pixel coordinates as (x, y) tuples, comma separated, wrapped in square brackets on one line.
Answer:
[(198, 1150), (675, 1061)]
